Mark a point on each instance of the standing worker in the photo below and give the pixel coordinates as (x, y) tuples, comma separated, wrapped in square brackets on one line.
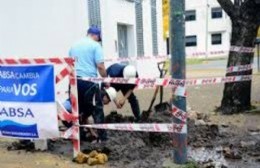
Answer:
[(89, 58), (125, 71)]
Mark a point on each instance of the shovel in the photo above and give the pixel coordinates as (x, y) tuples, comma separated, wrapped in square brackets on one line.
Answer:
[(162, 106), (146, 114)]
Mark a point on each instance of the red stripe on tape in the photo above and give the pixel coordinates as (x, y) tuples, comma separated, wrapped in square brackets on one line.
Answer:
[(56, 60), (39, 60), (24, 61), (11, 61)]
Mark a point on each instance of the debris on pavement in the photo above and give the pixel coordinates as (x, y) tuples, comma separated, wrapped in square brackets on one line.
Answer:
[(92, 158)]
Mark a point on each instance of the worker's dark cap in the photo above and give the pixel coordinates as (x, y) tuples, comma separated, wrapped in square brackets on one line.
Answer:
[(95, 31)]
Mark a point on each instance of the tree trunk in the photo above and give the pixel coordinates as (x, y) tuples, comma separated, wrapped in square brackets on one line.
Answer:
[(237, 96)]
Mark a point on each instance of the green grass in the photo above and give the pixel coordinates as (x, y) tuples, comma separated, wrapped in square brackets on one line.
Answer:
[(195, 61), (192, 61), (191, 164)]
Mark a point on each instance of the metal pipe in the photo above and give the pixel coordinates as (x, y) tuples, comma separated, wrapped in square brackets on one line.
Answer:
[(178, 66)]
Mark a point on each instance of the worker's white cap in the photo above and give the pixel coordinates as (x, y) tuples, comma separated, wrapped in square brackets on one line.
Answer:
[(111, 92), (129, 71)]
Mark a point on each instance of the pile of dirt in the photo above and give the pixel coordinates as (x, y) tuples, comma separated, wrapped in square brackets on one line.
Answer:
[(114, 117), (26, 145), (134, 149), (202, 135), (131, 149), (141, 149), (238, 147)]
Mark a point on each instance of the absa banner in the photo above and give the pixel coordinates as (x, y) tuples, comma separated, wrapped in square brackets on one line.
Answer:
[(27, 102)]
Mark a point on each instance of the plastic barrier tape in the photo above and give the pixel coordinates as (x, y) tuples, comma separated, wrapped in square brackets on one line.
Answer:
[(170, 128), (239, 68), (168, 82)]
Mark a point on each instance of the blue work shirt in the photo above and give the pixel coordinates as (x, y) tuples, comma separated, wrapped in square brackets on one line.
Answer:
[(116, 70), (87, 53)]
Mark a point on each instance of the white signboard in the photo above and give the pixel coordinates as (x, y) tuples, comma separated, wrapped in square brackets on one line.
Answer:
[(27, 102)]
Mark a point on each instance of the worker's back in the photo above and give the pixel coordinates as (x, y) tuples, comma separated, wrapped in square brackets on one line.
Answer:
[(87, 54), (116, 70)]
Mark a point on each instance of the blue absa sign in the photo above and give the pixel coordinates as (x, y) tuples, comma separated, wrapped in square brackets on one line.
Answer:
[(27, 101)]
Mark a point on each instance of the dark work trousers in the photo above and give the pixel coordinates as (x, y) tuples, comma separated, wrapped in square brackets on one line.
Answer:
[(87, 91), (133, 103)]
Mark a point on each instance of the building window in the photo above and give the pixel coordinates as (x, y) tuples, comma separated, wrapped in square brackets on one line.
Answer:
[(190, 15), (94, 13), (139, 27), (216, 13), (191, 41), (154, 26), (216, 39)]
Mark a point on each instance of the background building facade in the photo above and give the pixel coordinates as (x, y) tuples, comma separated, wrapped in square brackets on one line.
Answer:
[(208, 29), (130, 27), (45, 28)]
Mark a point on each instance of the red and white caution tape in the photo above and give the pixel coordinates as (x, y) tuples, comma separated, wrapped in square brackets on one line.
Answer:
[(64, 115), (180, 114), (70, 133), (200, 53), (142, 83), (11, 61), (240, 68), (75, 111), (170, 128), (218, 80), (70, 61), (63, 73), (242, 49), (122, 59)]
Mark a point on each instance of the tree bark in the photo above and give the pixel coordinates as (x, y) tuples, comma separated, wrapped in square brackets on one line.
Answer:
[(237, 96)]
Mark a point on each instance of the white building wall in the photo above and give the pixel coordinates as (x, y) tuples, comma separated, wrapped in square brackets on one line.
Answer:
[(148, 68), (123, 12), (204, 30), (222, 25), (112, 13), (147, 22), (197, 27), (37, 28)]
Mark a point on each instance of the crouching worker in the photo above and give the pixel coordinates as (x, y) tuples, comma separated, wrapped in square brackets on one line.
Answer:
[(125, 71), (90, 109)]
